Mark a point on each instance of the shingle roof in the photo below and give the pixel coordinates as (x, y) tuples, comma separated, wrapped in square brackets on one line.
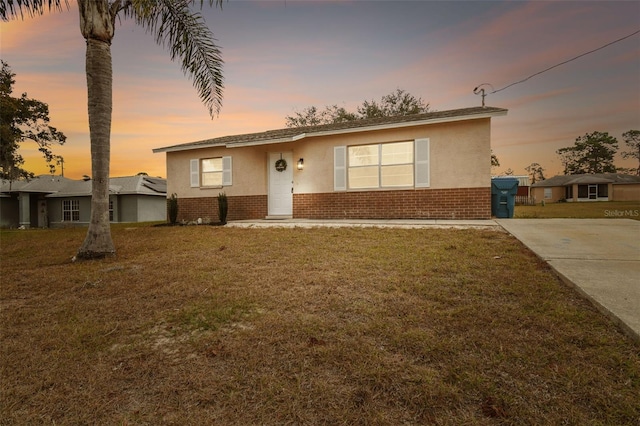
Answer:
[(585, 179), (291, 134), (40, 184), (138, 185), (58, 186)]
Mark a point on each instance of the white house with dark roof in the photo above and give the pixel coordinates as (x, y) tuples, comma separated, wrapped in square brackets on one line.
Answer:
[(53, 201), (433, 165)]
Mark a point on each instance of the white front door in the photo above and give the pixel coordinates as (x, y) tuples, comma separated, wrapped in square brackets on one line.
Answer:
[(280, 185)]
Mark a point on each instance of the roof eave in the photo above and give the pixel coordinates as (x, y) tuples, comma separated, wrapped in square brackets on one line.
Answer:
[(186, 147), (153, 194), (265, 141)]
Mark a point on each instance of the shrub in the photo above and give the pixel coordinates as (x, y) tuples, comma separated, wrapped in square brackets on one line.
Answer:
[(222, 207), (173, 208)]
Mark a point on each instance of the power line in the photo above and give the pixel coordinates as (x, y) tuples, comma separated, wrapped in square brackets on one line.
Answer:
[(555, 66)]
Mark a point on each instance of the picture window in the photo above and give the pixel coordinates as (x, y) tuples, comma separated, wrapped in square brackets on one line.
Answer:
[(385, 165)]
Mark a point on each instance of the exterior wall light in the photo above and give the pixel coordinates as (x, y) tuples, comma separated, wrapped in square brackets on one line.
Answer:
[(301, 164)]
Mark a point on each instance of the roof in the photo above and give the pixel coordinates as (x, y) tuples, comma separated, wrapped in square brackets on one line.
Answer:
[(292, 134), (58, 186), (585, 179), (138, 185), (39, 184)]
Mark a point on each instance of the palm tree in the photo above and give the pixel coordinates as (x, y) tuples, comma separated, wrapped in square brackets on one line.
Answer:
[(174, 25)]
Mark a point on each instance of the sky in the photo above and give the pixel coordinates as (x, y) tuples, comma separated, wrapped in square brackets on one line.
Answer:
[(283, 56)]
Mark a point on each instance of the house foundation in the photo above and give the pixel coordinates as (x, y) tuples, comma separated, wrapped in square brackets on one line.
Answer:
[(458, 203)]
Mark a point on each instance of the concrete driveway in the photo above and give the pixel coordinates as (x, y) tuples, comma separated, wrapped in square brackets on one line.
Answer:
[(600, 257)]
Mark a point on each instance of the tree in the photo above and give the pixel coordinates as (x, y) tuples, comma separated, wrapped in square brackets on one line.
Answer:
[(174, 25), (632, 140), (310, 116), (23, 119), (395, 103), (536, 172), (399, 102), (591, 153)]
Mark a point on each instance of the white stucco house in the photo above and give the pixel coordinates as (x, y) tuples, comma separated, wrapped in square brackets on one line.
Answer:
[(431, 165)]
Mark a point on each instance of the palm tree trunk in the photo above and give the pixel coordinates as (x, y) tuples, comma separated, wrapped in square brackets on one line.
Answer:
[(96, 25)]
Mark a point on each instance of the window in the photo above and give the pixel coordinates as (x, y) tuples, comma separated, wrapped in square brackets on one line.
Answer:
[(603, 190), (70, 210), (547, 193), (211, 169), (380, 166), (583, 191), (110, 210), (569, 192), (210, 172)]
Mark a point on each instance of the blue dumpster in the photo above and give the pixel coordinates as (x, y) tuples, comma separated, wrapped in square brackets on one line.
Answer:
[(503, 196)]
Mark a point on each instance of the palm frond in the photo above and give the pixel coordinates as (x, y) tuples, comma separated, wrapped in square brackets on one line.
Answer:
[(18, 8), (186, 35)]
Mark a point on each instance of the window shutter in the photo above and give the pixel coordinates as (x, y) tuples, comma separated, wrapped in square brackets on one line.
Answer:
[(339, 168), (195, 173), (422, 163), (226, 171)]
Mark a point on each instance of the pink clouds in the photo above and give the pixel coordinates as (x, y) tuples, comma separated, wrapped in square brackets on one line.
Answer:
[(284, 57)]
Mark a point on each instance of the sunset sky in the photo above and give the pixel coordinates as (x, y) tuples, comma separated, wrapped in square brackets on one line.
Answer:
[(283, 56)]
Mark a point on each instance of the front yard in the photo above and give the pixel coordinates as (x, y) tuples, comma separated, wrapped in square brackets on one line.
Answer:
[(217, 325)]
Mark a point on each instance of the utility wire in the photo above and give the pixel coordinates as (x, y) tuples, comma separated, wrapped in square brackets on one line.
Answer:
[(565, 62)]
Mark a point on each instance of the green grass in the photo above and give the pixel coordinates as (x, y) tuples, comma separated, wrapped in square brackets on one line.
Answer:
[(582, 210), (217, 325)]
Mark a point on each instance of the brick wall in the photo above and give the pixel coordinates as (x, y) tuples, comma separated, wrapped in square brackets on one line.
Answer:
[(245, 207), (460, 203)]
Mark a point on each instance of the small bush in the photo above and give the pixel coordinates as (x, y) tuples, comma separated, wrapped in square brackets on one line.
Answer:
[(173, 209), (223, 207)]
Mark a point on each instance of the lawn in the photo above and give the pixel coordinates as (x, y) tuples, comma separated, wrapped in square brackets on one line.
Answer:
[(582, 210), (356, 326)]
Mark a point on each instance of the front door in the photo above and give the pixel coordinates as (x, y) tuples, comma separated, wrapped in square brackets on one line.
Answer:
[(593, 192), (280, 184), (42, 214)]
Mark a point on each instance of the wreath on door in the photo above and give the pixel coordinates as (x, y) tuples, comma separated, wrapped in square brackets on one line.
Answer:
[(281, 164)]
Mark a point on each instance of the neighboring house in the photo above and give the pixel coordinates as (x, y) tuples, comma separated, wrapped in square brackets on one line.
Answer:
[(588, 187), (523, 186), (524, 196), (53, 201), (432, 165)]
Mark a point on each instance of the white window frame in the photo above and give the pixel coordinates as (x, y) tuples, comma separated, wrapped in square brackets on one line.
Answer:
[(421, 167), (548, 193), (195, 175), (216, 174), (71, 206)]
